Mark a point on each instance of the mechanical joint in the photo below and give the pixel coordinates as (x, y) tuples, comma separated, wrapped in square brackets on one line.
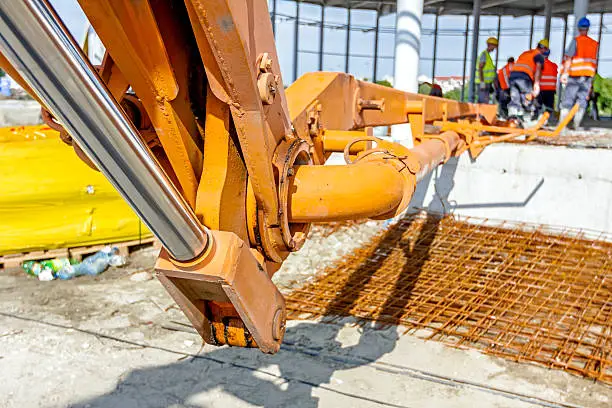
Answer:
[(372, 104)]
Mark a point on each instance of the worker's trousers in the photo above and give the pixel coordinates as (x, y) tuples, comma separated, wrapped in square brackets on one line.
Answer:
[(484, 95), (503, 99), (577, 92), (546, 101), (520, 100)]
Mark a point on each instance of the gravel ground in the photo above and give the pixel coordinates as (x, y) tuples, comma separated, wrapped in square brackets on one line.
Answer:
[(106, 342), (326, 245)]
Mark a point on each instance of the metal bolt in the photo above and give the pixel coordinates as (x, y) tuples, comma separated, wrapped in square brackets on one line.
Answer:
[(372, 104), (265, 85), (265, 62), (278, 324)]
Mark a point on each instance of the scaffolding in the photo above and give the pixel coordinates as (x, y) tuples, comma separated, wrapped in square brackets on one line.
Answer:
[(471, 10)]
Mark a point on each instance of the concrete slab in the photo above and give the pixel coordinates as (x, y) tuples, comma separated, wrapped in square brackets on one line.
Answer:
[(552, 185)]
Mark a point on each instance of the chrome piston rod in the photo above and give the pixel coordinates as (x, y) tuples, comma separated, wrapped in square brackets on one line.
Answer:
[(38, 45)]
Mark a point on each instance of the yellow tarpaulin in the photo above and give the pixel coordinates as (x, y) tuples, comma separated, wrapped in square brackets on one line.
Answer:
[(50, 199)]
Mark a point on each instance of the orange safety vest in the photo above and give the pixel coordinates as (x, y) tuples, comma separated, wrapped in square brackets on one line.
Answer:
[(549, 76), (526, 64), (503, 76), (584, 63)]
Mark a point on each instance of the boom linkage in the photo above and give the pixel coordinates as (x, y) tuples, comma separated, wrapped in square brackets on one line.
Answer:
[(188, 117)]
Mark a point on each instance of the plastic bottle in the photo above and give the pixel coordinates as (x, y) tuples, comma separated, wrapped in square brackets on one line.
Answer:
[(92, 265), (45, 270), (31, 267)]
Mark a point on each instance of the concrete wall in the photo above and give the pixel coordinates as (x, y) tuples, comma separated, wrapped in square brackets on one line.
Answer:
[(19, 113), (541, 184)]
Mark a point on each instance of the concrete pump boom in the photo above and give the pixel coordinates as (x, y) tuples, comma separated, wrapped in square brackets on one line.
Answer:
[(188, 118)]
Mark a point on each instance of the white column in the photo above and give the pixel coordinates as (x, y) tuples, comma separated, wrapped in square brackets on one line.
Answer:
[(581, 8), (406, 68), (548, 13), (472, 95)]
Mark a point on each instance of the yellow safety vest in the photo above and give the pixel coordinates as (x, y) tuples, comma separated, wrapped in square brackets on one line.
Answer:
[(488, 71)]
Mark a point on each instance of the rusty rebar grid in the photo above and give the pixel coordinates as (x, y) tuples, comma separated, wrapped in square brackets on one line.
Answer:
[(598, 140), (527, 293)]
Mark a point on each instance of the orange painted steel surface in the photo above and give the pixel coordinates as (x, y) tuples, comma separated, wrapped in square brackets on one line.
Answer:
[(336, 193), (201, 81), (228, 273), (132, 36), (434, 151), (336, 141), (378, 186)]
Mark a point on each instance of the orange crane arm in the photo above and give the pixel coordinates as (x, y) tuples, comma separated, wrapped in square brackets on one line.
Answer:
[(378, 184), (188, 118)]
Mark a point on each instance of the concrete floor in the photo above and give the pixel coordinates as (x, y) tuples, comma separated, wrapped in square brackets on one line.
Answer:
[(104, 342)]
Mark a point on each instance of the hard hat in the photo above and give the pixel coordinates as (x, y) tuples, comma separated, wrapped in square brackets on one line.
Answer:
[(584, 23), (492, 40), (544, 43)]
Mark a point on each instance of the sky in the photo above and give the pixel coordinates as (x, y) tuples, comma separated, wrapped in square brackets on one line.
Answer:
[(450, 46)]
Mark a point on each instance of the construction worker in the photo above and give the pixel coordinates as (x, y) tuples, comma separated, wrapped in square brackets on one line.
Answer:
[(579, 67), (503, 87), (548, 85), (436, 90), (485, 75), (525, 83)]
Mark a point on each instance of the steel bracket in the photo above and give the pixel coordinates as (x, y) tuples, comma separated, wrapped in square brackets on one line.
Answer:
[(228, 273)]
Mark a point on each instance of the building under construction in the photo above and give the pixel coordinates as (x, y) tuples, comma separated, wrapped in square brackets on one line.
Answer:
[(325, 240)]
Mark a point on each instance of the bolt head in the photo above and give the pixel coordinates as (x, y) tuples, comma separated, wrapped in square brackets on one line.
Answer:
[(265, 62), (265, 85), (278, 325)]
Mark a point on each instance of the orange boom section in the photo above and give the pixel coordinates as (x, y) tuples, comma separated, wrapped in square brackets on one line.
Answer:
[(189, 119)]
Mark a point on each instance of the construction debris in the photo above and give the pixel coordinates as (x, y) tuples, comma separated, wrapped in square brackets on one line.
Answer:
[(519, 291), (599, 138), (64, 268)]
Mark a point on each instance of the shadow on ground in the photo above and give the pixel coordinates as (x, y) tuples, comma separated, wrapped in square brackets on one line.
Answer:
[(288, 378)]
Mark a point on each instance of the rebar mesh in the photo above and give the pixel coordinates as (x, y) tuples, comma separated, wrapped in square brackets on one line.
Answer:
[(517, 291), (601, 139)]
